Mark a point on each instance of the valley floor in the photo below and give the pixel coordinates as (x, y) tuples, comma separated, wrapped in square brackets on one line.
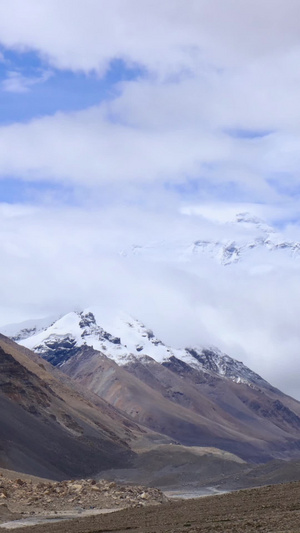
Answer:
[(269, 509)]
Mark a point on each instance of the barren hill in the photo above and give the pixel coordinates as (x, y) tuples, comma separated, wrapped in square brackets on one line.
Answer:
[(48, 428)]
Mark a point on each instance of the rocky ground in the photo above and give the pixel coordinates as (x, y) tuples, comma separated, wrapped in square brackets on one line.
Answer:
[(30, 496), (271, 509)]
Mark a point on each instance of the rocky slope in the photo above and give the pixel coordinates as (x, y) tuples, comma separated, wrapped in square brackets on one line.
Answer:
[(48, 426)]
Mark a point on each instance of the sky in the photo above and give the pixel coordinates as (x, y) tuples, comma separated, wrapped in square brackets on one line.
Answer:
[(124, 123)]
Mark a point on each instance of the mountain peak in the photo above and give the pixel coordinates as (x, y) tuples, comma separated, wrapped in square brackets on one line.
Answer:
[(252, 221), (128, 339)]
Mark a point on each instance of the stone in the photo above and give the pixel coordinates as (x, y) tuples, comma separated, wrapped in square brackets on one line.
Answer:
[(20, 482), (77, 487)]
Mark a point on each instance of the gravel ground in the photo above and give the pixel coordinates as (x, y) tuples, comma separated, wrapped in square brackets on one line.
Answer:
[(272, 509)]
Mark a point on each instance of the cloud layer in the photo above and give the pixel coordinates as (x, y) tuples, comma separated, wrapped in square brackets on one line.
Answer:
[(87, 35), (54, 261)]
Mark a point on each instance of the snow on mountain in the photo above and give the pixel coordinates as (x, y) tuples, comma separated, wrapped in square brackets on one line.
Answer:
[(130, 340), (66, 335), (243, 237)]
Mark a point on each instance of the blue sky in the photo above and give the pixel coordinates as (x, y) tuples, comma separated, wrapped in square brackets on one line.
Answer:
[(61, 90), (31, 89)]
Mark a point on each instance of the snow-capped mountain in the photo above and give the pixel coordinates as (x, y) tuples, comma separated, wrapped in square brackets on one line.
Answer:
[(194, 396), (59, 340), (242, 238)]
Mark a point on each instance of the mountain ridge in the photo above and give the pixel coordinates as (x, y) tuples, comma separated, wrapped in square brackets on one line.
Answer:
[(63, 338)]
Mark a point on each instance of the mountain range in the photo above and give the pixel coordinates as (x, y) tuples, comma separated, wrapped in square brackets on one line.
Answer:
[(243, 238), (82, 392), (197, 396)]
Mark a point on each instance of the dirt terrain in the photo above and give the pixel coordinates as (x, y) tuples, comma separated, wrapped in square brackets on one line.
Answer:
[(185, 469), (269, 509)]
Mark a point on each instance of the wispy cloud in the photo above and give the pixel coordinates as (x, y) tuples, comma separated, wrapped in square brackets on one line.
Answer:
[(16, 82)]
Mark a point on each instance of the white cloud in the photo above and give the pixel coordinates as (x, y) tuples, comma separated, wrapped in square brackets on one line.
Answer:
[(86, 34), (130, 140), (85, 147)]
